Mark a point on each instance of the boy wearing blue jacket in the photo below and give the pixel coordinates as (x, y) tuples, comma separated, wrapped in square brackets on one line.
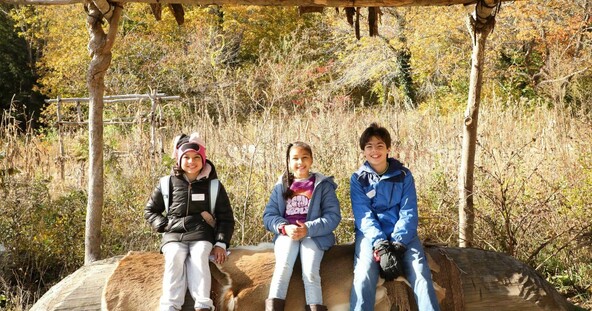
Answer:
[(384, 204)]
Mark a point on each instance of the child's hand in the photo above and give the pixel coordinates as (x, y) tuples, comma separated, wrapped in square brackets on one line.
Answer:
[(218, 255), (297, 231), (209, 219)]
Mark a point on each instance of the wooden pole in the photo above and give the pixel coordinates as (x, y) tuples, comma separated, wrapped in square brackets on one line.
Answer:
[(161, 131), (99, 46), (153, 104), (480, 26), (60, 139), (78, 111)]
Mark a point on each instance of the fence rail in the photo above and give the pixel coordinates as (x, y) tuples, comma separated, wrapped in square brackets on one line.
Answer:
[(154, 118)]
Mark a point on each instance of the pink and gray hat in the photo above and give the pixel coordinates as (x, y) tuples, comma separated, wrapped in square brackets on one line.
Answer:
[(193, 144)]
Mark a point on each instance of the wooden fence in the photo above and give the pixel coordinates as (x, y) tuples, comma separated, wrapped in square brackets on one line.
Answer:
[(154, 116)]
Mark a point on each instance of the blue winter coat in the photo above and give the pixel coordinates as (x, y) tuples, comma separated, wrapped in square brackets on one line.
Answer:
[(323, 215), (384, 208)]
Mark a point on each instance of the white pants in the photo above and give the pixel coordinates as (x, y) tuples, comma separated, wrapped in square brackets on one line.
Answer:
[(286, 251), (186, 266)]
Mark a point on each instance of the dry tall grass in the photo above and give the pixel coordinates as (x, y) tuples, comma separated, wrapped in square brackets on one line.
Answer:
[(533, 177)]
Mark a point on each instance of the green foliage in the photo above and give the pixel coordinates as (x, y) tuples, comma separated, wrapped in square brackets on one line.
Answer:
[(345, 231), (517, 68), (437, 206), (446, 100), (17, 72), (579, 198), (44, 237), (123, 213), (259, 28), (57, 31)]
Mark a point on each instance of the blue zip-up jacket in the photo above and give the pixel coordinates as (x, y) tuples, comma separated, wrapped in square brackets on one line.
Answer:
[(323, 215), (384, 207)]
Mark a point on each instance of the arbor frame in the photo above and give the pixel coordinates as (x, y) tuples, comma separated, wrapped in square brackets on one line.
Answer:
[(100, 44)]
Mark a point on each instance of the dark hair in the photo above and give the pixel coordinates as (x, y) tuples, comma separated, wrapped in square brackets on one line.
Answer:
[(177, 142), (288, 177), (375, 130)]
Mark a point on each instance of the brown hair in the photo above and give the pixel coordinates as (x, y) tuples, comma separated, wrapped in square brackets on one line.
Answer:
[(377, 131), (288, 177)]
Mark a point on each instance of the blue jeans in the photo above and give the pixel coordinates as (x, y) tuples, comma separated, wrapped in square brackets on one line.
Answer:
[(286, 251), (366, 273)]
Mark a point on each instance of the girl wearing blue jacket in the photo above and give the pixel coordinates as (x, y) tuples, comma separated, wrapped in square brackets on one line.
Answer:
[(302, 212), (384, 205)]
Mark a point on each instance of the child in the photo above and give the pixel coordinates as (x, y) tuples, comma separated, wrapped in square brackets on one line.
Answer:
[(302, 212), (384, 205), (190, 233)]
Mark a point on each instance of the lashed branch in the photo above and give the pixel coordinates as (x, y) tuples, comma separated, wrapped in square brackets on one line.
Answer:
[(373, 21), (105, 8), (156, 9), (178, 12)]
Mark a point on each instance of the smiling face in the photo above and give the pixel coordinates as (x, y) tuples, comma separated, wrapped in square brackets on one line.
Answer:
[(191, 164), (376, 153), (300, 161)]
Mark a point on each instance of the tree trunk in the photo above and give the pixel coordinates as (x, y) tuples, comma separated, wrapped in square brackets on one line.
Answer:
[(467, 279), (480, 25), (99, 46)]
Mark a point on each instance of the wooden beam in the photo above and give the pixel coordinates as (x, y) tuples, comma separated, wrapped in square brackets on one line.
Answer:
[(309, 9), (319, 3)]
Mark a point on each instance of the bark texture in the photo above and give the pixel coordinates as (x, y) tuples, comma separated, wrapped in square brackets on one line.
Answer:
[(466, 279), (99, 47), (480, 25)]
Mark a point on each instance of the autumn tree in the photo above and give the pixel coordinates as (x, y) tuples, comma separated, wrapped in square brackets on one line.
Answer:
[(17, 71)]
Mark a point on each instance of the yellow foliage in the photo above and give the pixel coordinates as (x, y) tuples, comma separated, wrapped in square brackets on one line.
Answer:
[(262, 25), (64, 62)]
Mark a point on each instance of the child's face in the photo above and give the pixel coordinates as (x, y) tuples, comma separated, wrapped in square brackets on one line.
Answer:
[(300, 162), (376, 151), (191, 163)]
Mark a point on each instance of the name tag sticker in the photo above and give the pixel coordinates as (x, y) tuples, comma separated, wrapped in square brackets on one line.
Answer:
[(371, 193), (198, 197)]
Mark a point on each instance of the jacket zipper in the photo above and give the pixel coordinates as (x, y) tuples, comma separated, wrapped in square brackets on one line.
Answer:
[(188, 203)]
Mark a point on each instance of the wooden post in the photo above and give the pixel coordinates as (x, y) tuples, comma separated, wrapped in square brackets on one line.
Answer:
[(160, 131), (153, 104), (480, 26), (99, 46), (78, 111), (79, 120), (60, 139)]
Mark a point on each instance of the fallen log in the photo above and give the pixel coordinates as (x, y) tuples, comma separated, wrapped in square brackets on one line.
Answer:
[(80, 290), (465, 279)]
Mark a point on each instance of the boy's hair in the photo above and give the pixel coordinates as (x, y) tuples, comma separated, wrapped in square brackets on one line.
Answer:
[(288, 178), (377, 131)]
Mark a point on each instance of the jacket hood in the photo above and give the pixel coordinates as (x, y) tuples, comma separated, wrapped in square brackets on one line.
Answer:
[(318, 179), (394, 169), (207, 172)]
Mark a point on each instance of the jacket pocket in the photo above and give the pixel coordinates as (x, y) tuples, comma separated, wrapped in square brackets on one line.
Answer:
[(175, 225)]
